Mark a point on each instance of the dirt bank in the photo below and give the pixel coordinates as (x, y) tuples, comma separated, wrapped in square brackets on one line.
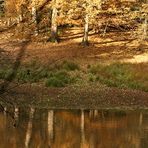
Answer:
[(76, 97)]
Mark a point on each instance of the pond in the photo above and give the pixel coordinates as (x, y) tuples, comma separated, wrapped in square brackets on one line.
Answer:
[(34, 128)]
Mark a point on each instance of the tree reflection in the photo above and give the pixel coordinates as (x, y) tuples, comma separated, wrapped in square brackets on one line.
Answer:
[(62, 129), (16, 116), (84, 143), (29, 128), (50, 127)]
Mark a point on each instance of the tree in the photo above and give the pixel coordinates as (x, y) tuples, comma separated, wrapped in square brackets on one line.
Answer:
[(91, 9), (54, 25), (34, 15)]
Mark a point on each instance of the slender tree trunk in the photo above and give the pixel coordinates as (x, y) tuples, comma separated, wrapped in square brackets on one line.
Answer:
[(9, 22), (144, 35), (54, 26), (86, 30), (34, 16), (19, 18), (19, 26)]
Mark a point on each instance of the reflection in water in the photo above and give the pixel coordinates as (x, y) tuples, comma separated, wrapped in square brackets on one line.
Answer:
[(29, 128), (16, 115), (82, 129), (74, 129), (5, 110), (50, 126), (140, 119)]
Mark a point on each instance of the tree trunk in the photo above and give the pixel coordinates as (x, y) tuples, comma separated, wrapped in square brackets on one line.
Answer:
[(86, 29), (19, 26), (54, 26), (145, 29), (34, 16)]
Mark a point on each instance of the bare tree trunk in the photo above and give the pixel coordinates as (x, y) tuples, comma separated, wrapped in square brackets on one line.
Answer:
[(54, 26), (19, 20), (144, 36), (86, 30), (34, 16), (9, 22)]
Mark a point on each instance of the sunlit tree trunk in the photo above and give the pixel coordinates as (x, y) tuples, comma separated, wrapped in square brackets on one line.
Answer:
[(50, 126), (144, 35), (86, 30), (19, 18), (29, 128), (54, 25), (8, 22), (34, 16)]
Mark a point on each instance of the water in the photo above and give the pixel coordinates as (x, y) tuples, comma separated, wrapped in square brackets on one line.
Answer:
[(73, 129)]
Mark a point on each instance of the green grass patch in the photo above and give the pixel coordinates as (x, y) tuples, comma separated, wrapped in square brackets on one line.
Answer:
[(58, 79), (57, 75), (5, 73), (66, 73), (32, 75), (118, 75), (70, 66)]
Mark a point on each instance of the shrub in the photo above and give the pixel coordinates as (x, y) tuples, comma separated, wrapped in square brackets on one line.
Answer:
[(58, 79)]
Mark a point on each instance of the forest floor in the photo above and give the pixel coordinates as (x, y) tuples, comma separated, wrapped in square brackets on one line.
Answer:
[(112, 72)]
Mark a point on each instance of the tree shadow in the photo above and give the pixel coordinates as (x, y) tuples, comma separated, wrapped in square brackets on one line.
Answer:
[(74, 36), (6, 82)]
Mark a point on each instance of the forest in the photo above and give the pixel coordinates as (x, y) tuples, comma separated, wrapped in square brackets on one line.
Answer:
[(51, 17), (73, 50)]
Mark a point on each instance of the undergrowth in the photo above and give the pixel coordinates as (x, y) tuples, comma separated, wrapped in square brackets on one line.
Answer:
[(118, 75), (68, 73)]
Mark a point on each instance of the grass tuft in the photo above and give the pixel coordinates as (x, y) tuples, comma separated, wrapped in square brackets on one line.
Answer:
[(70, 66)]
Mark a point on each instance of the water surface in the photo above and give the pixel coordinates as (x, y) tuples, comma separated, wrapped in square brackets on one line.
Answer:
[(33, 128)]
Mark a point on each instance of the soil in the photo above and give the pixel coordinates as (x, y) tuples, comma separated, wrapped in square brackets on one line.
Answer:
[(113, 47)]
